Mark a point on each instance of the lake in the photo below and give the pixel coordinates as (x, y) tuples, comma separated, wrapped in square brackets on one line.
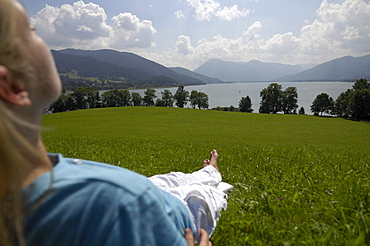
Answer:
[(227, 94)]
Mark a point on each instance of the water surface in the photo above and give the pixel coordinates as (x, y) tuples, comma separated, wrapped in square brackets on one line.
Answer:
[(227, 94)]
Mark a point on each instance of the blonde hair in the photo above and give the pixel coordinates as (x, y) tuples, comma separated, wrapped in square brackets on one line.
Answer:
[(11, 42), (16, 152), (12, 166)]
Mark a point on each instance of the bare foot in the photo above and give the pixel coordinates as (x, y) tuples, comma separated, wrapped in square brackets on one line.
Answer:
[(206, 162), (214, 159)]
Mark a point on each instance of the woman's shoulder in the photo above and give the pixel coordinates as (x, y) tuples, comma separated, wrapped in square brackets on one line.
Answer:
[(70, 177), (85, 172), (100, 201), (89, 201)]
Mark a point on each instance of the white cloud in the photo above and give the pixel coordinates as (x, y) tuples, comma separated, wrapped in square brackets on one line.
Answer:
[(179, 14), (84, 26), (340, 29), (253, 29), (79, 22), (130, 32), (207, 9), (231, 13), (281, 46), (183, 45)]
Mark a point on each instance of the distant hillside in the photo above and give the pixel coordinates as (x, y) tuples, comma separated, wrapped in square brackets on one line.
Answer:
[(306, 66), (249, 71), (345, 68), (201, 77), (137, 64), (90, 67)]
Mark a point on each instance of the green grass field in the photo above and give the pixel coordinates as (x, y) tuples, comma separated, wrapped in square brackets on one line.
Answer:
[(299, 180)]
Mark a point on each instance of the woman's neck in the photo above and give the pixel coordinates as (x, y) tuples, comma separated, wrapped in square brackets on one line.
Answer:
[(39, 166)]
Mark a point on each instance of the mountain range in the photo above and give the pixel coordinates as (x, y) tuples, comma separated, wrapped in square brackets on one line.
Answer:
[(341, 69), (345, 68), (130, 70), (122, 67), (246, 71)]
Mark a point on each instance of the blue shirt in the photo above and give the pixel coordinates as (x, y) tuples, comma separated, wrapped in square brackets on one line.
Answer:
[(89, 203)]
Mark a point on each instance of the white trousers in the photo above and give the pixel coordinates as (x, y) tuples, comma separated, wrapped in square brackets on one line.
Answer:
[(199, 192)]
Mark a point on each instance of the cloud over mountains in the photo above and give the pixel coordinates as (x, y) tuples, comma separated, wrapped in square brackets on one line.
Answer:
[(338, 28), (207, 9)]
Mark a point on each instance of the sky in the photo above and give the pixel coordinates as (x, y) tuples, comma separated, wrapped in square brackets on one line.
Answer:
[(187, 33)]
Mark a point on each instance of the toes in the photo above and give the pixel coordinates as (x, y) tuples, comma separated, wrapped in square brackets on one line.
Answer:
[(214, 154)]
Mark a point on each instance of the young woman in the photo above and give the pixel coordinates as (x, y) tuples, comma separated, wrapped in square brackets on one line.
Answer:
[(46, 199)]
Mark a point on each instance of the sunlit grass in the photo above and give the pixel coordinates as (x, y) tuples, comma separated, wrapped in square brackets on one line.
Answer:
[(299, 180)]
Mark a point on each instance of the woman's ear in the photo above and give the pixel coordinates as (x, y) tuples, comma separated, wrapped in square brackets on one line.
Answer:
[(11, 91)]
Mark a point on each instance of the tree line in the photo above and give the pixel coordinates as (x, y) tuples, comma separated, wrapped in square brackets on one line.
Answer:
[(89, 97), (112, 83), (273, 100), (353, 103)]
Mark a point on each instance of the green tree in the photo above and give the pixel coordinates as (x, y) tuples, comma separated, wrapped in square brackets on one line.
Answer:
[(79, 97), (71, 103), (322, 104), (86, 97), (361, 84), (272, 98), (245, 105), (361, 100), (193, 98), (160, 103), (181, 96), (125, 98), (61, 104), (167, 98), (199, 99), (361, 104), (343, 104), (289, 100), (116, 98), (301, 110), (111, 98), (354, 103), (136, 99), (202, 100), (149, 97), (95, 101)]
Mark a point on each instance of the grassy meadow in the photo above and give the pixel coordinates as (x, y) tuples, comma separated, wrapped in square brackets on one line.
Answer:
[(299, 180)]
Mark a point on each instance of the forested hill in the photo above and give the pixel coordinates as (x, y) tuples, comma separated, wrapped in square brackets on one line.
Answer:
[(125, 69), (90, 67), (345, 68)]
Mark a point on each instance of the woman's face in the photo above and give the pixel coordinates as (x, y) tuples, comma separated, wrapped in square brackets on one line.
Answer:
[(45, 86)]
